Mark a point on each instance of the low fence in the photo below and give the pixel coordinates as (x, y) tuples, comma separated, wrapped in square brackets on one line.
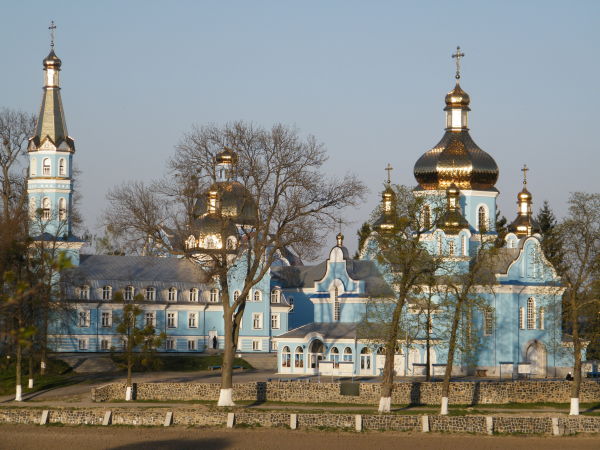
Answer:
[(425, 393), (195, 417)]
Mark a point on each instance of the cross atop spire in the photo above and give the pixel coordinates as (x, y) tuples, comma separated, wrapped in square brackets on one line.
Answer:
[(458, 55), (525, 169), (389, 169), (52, 27)]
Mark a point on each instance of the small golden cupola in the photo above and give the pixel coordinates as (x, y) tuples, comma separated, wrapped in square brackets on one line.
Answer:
[(386, 220), (456, 159), (453, 221), (524, 225)]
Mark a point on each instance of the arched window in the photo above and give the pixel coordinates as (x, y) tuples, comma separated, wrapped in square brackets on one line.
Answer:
[(46, 166), (542, 317), (62, 167), (190, 242), (236, 295), (347, 354), (107, 293), (33, 167), (299, 357), (172, 297), (286, 357), (150, 293), (275, 296), (84, 292), (531, 313), (463, 245), (129, 293), (46, 208), (451, 247), (193, 295), (365, 359), (336, 305), (482, 221), (426, 217), (230, 243), (257, 296), (214, 295), (62, 209), (334, 355), (488, 322)]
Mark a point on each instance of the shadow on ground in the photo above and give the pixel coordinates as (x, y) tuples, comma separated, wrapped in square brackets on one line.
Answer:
[(179, 444)]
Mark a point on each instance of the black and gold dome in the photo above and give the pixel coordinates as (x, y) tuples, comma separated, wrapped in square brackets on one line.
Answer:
[(232, 200), (456, 159), (52, 61)]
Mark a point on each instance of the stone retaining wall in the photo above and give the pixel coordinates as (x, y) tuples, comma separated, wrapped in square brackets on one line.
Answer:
[(427, 393), (196, 417)]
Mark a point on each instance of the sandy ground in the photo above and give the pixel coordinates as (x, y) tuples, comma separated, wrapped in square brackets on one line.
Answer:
[(90, 438)]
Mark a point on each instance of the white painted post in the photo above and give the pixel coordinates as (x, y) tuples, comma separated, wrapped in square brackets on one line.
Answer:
[(425, 424), (489, 425), (555, 430), (293, 421), (107, 418), (30, 384), (128, 394), (18, 393), (44, 418), (230, 420), (168, 419), (358, 422)]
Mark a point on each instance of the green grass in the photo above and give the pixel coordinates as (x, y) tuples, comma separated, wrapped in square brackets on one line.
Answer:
[(179, 363), (58, 373)]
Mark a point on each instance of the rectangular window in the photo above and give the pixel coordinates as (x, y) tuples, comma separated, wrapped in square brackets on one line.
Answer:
[(488, 322), (193, 295), (84, 319), (522, 318), (106, 319), (83, 344), (150, 294), (256, 345), (170, 344), (191, 345), (104, 344), (171, 320), (275, 321), (214, 296), (192, 321), (257, 321), (84, 293), (273, 346), (150, 319), (451, 248)]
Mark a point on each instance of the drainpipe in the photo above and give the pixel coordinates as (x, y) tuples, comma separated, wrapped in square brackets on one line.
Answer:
[(204, 326), (165, 324), (97, 331)]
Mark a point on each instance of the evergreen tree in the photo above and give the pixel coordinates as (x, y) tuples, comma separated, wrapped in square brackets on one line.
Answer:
[(363, 233), (551, 242), (501, 229)]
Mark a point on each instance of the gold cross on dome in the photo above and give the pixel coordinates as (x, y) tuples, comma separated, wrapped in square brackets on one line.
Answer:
[(525, 169), (52, 27), (389, 169), (458, 55)]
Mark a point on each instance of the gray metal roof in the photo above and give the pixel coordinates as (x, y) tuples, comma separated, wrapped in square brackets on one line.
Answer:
[(306, 276), (329, 330), (138, 268)]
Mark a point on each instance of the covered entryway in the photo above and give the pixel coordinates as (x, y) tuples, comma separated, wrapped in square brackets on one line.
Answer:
[(399, 361), (316, 352), (536, 356)]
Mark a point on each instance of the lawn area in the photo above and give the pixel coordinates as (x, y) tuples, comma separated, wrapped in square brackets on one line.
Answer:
[(58, 373), (178, 363)]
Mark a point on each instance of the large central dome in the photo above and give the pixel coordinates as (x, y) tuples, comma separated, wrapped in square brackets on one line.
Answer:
[(456, 159)]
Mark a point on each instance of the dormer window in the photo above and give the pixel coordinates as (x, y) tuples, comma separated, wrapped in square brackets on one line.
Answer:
[(107, 293), (83, 292), (275, 296), (172, 294), (193, 295), (214, 295), (150, 293), (128, 293)]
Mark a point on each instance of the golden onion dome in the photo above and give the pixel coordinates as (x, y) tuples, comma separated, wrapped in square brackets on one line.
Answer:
[(234, 201), (227, 155), (457, 98), (524, 196), (52, 61)]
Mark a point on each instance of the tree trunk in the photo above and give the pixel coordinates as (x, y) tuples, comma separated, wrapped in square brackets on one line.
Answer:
[(428, 360), (129, 387), (226, 394), (576, 383), (18, 388), (450, 359), (30, 384), (387, 384), (44, 341)]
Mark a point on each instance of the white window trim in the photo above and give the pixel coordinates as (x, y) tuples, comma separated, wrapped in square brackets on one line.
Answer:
[(277, 317), (256, 345), (175, 318), (85, 342), (152, 316), (258, 316), (110, 318), (487, 216), (195, 316)]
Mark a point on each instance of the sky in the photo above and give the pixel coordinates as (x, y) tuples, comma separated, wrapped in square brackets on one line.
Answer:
[(368, 79)]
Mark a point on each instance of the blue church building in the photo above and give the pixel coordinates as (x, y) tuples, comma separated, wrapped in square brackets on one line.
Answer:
[(309, 315)]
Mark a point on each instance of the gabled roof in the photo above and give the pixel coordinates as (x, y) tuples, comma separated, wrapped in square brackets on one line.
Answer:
[(329, 330), (306, 276)]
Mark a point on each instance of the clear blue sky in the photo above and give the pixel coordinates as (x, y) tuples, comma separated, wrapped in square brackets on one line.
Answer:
[(367, 78)]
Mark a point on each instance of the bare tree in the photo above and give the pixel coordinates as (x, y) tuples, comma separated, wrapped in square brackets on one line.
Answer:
[(401, 252), (578, 236), (287, 198)]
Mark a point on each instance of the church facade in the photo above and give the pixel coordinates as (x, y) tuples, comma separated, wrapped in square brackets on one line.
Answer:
[(309, 315)]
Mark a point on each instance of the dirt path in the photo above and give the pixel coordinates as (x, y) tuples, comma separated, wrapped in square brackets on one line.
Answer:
[(91, 438)]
